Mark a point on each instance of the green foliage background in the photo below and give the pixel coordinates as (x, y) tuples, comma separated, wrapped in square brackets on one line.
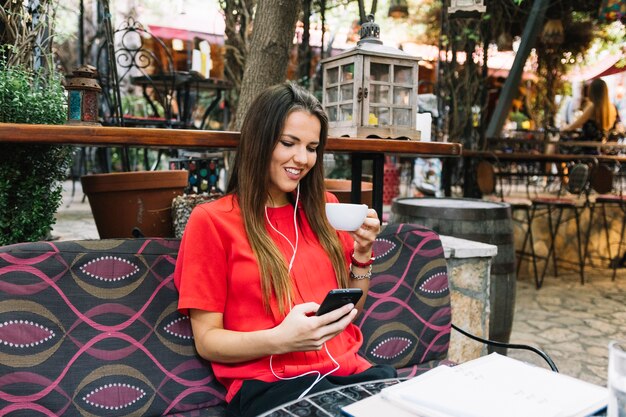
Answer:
[(30, 175)]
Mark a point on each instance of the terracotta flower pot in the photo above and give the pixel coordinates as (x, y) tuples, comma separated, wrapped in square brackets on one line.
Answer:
[(123, 201), (343, 188)]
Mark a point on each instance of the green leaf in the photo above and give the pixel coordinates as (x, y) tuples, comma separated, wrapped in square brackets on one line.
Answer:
[(30, 175)]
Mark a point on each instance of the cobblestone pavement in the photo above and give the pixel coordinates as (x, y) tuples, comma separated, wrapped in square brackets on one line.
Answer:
[(571, 322)]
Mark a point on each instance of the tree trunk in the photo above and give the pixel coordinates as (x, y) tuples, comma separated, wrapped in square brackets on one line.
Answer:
[(268, 56)]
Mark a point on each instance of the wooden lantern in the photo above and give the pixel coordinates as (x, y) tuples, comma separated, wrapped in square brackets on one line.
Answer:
[(371, 89)]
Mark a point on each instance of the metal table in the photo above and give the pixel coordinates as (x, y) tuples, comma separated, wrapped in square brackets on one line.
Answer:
[(328, 403)]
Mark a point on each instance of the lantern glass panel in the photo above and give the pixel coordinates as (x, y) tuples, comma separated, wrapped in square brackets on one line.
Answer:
[(332, 94), (332, 113), (347, 72), (347, 92), (402, 75), (90, 106), (402, 96), (379, 72), (75, 105), (402, 117), (345, 113), (379, 93), (332, 75), (379, 116)]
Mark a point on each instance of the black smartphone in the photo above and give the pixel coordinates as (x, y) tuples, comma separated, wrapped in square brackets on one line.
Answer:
[(337, 298)]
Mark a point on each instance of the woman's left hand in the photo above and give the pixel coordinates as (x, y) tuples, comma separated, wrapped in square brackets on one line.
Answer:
[(365, 235)]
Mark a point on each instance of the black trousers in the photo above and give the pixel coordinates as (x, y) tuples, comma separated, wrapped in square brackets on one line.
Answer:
[(256, 397)]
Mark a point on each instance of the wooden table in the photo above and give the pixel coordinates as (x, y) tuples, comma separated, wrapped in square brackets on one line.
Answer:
[(359, 149)]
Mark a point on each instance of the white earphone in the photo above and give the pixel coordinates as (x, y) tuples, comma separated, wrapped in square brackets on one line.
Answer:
[(294, 247), (295, 226)]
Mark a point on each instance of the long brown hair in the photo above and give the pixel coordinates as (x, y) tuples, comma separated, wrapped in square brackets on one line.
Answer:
[(599, 96), (250, 181)]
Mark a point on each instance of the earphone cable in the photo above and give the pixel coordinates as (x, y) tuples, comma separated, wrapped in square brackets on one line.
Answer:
[(293, 257)]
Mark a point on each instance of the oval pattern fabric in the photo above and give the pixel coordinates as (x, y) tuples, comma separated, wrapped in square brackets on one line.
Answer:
[(91, 328), (406, 318)]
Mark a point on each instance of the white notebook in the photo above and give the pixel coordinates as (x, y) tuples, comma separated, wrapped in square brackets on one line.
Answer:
[(491, 386)]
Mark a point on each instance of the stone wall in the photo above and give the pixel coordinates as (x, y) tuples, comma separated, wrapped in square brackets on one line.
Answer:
[(469, 265)]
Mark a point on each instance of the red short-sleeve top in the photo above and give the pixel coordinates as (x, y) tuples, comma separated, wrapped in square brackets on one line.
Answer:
[(217, 271)]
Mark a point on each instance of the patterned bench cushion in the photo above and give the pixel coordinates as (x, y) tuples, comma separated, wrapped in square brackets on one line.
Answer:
[(406, 318), (91, 328)]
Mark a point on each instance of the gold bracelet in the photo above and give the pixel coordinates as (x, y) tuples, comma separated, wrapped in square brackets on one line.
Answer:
[(366, 275)]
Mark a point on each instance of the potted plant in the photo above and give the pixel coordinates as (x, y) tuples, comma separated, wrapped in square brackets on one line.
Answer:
[(30, 175), (134, 204)]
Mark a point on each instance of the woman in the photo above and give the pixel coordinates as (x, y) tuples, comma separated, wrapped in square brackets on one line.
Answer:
[(254, 265), (599, 114)]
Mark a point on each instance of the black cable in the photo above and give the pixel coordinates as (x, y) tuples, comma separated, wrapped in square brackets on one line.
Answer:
[(509, 345)]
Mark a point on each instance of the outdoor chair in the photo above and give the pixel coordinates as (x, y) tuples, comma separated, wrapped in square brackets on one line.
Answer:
[(136, 76), (487, 179), (576, 184), (138, 79), (610, 189)]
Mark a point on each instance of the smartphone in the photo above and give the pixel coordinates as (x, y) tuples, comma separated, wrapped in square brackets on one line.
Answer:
[(337, 298)]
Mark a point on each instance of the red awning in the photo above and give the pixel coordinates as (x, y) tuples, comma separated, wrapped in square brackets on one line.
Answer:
[(164, 32), (604, 67), (610, 71)]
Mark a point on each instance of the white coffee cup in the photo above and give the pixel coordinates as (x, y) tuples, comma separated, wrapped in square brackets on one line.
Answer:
[(344, 216)]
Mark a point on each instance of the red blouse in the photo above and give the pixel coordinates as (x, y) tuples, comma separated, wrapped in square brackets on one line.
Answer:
[(217, 271)]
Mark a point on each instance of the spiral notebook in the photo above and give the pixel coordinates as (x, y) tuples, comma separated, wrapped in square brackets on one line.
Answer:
[(490, 386)]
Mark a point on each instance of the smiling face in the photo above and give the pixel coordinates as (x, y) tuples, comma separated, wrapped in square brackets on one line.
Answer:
[(294, 155)]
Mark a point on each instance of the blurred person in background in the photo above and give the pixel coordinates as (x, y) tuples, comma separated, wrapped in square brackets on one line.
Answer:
[(599, 115)]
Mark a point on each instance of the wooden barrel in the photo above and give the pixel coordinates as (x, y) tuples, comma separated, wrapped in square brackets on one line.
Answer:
[(481, 221)]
